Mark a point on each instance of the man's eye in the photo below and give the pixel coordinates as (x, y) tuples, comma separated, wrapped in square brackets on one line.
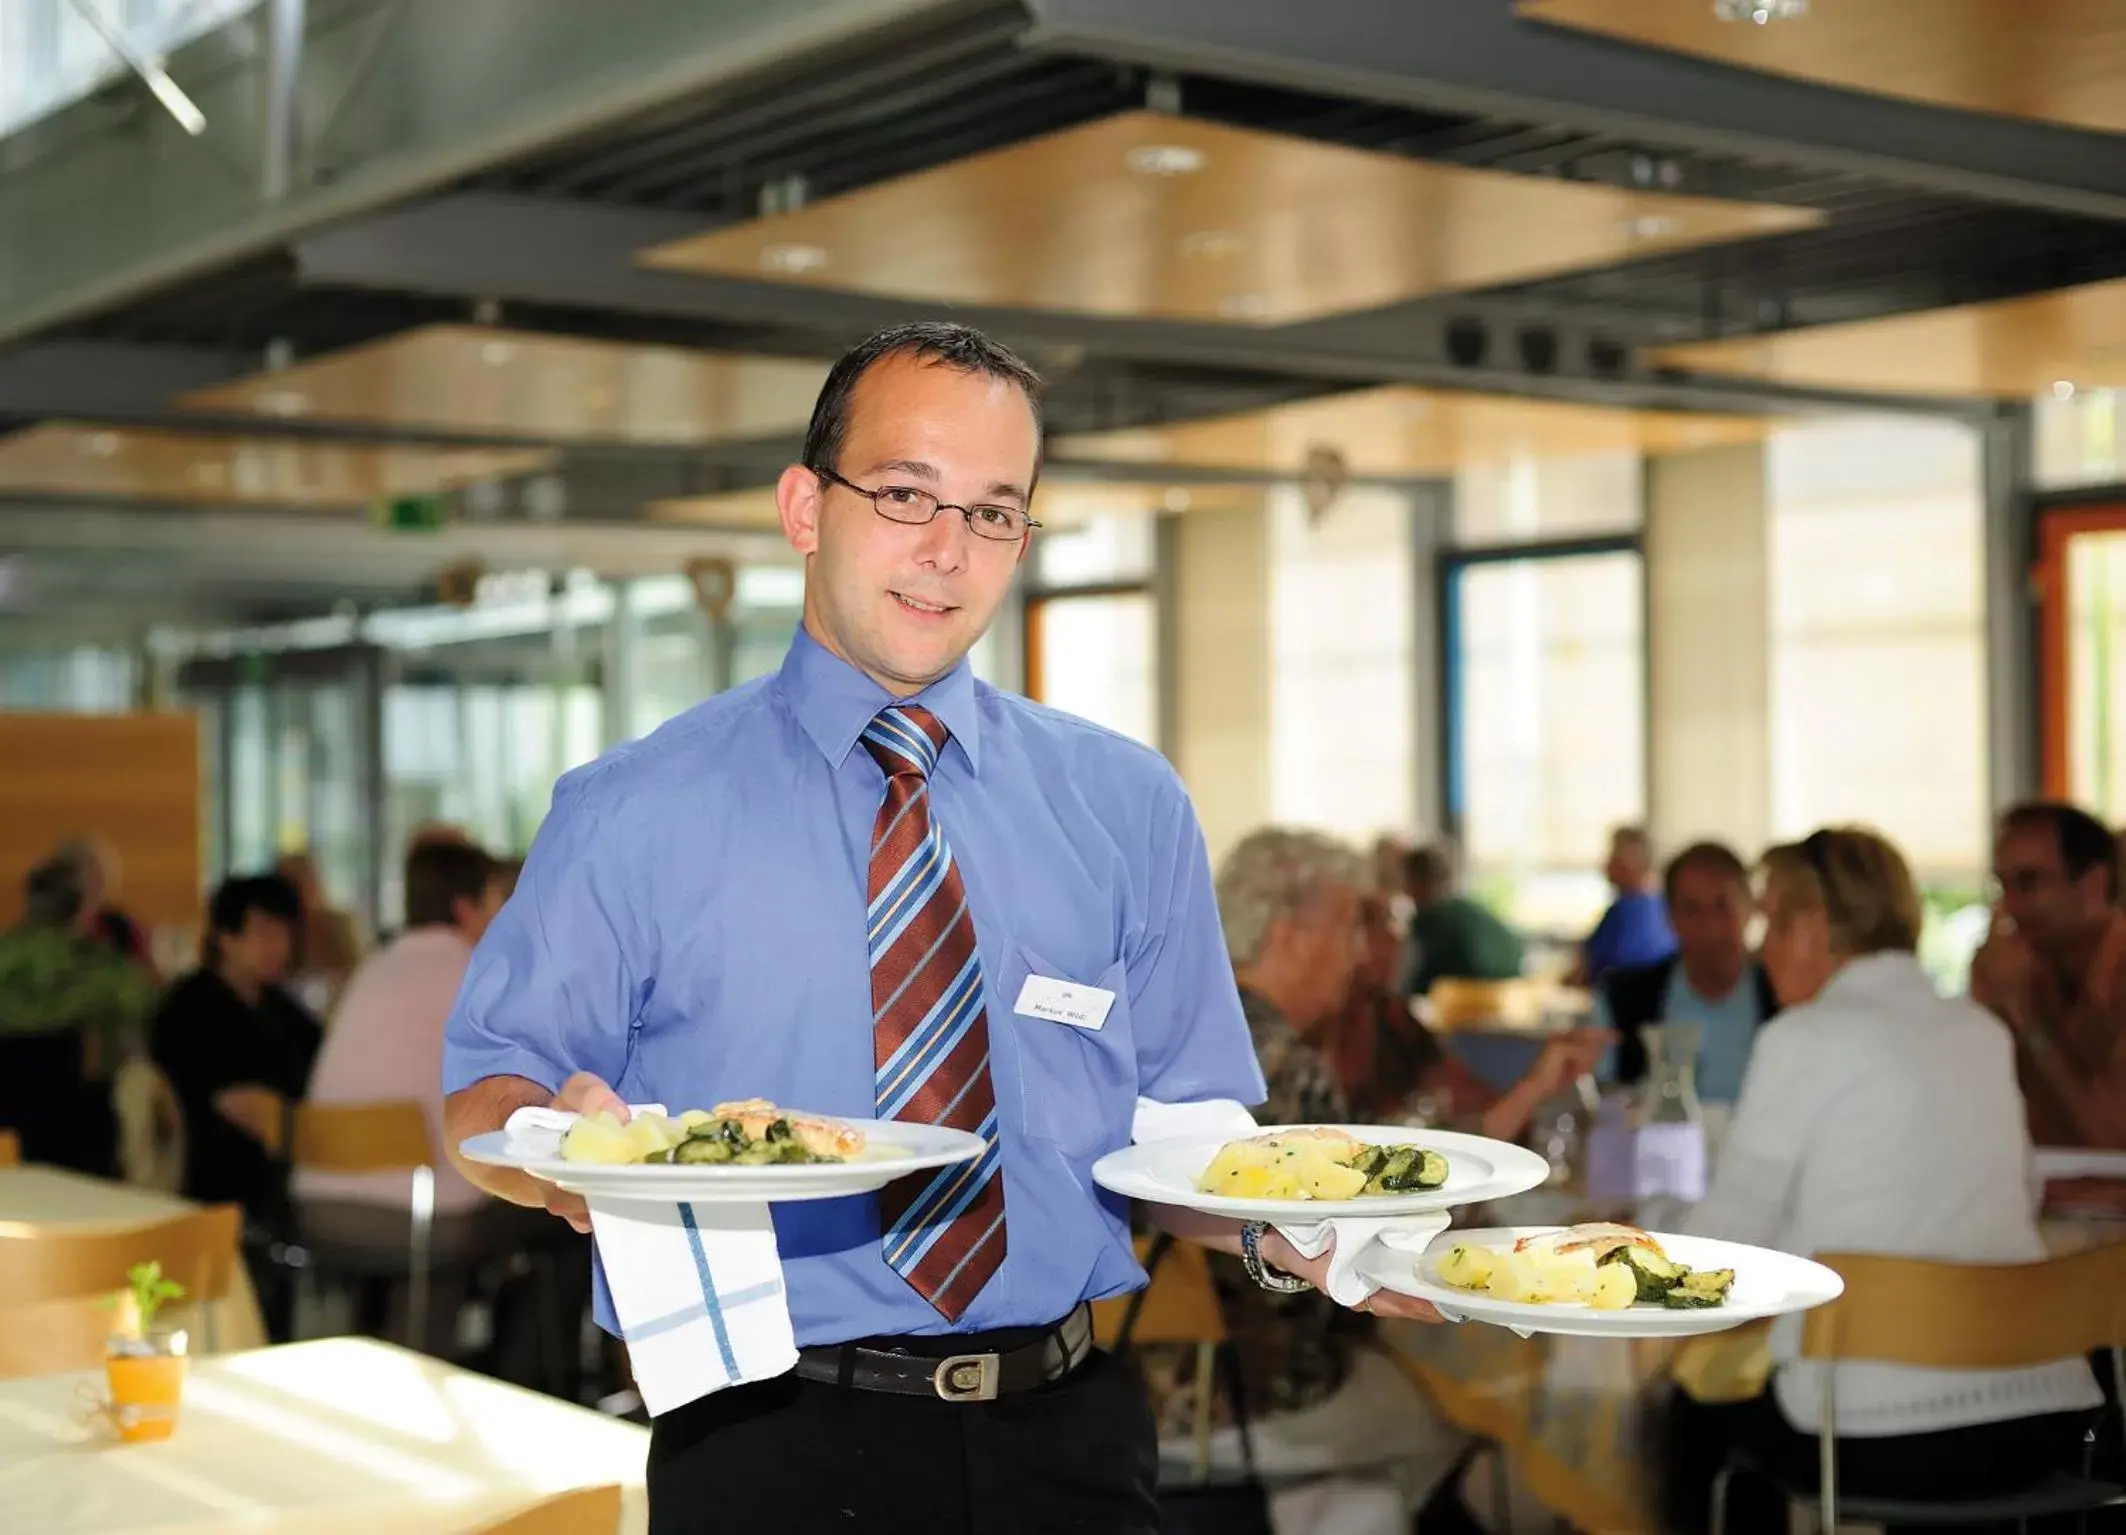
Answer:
[(900, 495)]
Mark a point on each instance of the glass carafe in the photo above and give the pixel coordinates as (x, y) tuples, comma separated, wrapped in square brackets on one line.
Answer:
[(1669, 1095)]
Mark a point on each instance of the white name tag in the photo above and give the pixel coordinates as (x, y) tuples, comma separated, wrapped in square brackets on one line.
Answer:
[(1082, 1007)]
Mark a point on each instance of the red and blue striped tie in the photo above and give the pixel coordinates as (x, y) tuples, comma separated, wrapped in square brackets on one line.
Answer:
[(944, 1234)]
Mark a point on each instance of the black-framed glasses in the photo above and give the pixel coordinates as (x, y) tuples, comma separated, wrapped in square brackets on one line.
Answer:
[(905, 503)]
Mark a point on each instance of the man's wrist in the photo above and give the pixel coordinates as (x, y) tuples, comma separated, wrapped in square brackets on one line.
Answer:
[(1260, 1268)]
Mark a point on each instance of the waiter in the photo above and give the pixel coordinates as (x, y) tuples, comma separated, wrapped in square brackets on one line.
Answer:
[(856, 887)]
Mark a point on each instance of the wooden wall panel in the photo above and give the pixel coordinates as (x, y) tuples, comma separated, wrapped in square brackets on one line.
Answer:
[(132, 779)]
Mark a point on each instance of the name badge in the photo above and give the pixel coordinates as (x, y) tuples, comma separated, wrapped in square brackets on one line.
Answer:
[(1082, 1007)]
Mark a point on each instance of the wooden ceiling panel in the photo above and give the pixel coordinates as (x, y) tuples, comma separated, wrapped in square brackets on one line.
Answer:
[(474, 378), (59, 458), (1148, 215), (2058, 60), (1399, 431), (2011, 348), (1058, 503)]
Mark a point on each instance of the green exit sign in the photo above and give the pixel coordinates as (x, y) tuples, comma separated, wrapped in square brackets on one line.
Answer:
[(412, 514)]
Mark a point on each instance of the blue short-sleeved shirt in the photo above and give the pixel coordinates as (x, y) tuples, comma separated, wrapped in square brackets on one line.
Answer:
[(690, 927), (1634, 931)]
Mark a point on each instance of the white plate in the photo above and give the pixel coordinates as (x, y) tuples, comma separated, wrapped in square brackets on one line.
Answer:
[(1165, 1173), (1767, 1283), (894, 1150)]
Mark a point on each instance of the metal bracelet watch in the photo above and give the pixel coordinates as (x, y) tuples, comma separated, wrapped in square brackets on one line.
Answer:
[(1263, 1275)]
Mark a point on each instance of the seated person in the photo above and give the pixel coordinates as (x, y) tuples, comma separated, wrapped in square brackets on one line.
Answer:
[(1710, 981), (1323, 1399), (71, 1011), (2053, 969), (226, 1030), (1384, 1059), (1877, 1117), (1452, 936), (1634, 930)]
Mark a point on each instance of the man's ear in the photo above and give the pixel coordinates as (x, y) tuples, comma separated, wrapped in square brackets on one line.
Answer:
[(800, 499)]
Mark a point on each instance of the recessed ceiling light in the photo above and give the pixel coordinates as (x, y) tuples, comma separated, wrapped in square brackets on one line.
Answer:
[(1244, 306), (1650, 226), (1211, 244), (793, 258), (2063, 390), (1176, 499), (283, 402), (496, 353), (103, 444), (1164, 160), (1760, 12)]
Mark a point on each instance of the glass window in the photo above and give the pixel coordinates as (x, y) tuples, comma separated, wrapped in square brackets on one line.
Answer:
[(2079, 435), (1878, 638), (51, 55), (1342, 659), (1525, 499), (1549, 693), (1095, 656), (1106, 549)]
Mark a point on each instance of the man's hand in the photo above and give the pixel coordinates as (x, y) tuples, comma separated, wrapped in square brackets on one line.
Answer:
[(582, 1094), (1284, 1257), (2001, 972), (1567, 1057)]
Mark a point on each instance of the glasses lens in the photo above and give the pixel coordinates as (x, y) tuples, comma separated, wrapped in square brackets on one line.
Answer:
[(904, 503), (1006, 523)]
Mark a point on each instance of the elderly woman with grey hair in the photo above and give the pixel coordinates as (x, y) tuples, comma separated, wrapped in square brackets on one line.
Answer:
[(1327, 1406)]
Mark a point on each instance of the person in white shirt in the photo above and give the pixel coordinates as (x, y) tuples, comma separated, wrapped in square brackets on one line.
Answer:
[(1876, 1116)]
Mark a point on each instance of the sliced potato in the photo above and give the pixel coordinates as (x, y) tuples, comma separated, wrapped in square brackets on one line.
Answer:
[(597, 1138), (1615, 1288), (1512, 1279), (1466, 1267), (1324, 1179)]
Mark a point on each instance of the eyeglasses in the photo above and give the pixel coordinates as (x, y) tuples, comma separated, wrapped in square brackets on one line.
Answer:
[(906, 504)]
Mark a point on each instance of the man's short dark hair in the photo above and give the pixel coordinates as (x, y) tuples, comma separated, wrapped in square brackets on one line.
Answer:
[(54, 892), (1713, 858), (1431, 864), (439, 875), (236, 898), (943, 342), (2084, 842)]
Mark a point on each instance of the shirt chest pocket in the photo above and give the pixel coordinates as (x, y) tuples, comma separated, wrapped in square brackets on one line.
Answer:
[(1077, 1084)]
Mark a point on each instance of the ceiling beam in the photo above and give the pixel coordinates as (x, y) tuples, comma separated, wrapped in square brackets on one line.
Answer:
[(1476, 56), (583, 255)]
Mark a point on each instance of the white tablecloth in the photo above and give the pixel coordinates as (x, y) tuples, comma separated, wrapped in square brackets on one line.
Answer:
[(342, 1436)]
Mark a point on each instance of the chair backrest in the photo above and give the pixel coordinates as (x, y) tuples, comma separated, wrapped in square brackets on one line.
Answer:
[(10, 1148), (363, 1137), (1181, 1305), (1971, 1316), (586, 1511), (197, 1250)]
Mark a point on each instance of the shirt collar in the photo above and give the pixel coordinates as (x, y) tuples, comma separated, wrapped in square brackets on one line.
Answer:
[(834, 701)]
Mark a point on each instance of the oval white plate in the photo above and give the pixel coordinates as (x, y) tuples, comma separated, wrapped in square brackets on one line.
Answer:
[(1165, 1173), (895, 1150), (1767, 1283)]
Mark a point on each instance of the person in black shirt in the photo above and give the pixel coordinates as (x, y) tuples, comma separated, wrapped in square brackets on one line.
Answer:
[(227, 1030)]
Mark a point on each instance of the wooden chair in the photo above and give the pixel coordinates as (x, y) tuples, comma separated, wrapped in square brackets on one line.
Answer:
[(1179, 1306), (198, 1251), (377, 1138), (10, 1149), (586, 1511), (1955, 1316)]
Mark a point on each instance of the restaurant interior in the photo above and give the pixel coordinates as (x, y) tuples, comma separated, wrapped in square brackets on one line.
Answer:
[(1725, 440)]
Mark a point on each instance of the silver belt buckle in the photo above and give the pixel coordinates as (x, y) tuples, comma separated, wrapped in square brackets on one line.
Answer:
[(966, 1378)]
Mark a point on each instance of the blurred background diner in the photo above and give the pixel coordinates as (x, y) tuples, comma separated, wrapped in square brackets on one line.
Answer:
[(1615, 511)]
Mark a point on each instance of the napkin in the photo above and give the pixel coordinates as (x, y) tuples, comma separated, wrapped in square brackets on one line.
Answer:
[(697, 1286), (1157, 1121)]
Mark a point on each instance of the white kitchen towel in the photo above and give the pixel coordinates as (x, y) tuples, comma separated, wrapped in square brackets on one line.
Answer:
[(697, 1287)]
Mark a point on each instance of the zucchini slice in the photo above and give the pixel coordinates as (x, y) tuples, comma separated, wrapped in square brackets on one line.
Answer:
[(1656, 1275), (1700, 1290)]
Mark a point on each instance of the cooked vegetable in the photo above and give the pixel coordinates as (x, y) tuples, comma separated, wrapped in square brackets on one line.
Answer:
[(1319, 1164), (1655, 1274), (1699, 1291), (754, 1134)]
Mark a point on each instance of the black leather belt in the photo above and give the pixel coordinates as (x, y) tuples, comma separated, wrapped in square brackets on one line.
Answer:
[(881, 1365)]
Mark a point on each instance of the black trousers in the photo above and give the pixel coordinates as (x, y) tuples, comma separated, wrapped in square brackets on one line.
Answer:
[(803, 1458), (1980, 1461)]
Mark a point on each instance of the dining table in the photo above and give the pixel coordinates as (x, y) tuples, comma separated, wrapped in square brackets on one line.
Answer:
[(338, 1436)]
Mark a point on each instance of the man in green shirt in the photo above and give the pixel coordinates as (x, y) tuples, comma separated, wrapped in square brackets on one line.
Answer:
[(71, 1010), (1451, 936)]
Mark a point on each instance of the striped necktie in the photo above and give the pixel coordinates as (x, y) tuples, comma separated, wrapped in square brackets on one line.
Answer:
[(944, 1234)]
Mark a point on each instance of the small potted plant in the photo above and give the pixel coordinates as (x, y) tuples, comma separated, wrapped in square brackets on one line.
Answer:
[(146, 1368)]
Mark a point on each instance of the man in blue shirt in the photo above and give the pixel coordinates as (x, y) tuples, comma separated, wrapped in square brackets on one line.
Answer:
[(1635, 930), (831, 888)]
